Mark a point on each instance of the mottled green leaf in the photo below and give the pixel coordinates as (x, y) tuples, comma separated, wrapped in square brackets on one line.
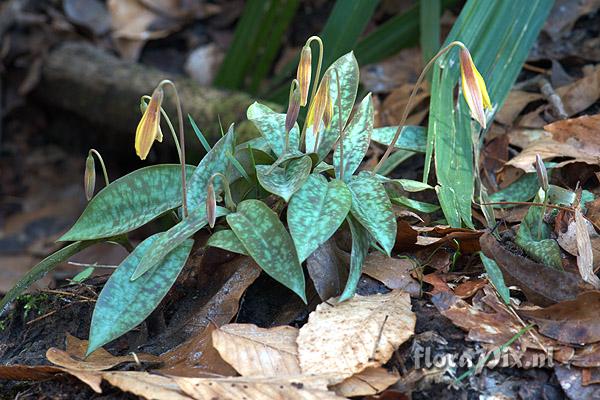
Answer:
[(268, 242), (316, 211), (123, 304), (414, 204), (408, 185), (373, 209), (412, 138), (495, 275), (226, 240), (215, 161), (130, 202), (357, 136), (347, 68), (360, 247), (324, 167), (272, 126), (173, 237), (284, 181), (523, 189), (533, 237), (42, 268)]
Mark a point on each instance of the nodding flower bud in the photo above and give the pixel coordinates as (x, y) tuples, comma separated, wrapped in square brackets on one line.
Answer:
[(303, 73), (89, 177), (542, 173), (148, 130), (320, 106), (293, 109), (211, 205), (473, 88)]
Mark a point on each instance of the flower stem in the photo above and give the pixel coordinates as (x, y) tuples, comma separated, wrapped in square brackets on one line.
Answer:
[(182, 148), (409, 104), (97, 154), (228, 199), (319, 64)]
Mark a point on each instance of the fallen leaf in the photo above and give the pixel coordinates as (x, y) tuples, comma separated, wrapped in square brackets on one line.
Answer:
[(515, 103), (467, 289), (74, 357), (439, 285), (288, 388), (585, 257), (395, 273), (580, 132), (348, 337), (255, 351), (572, 322), (571, 382), (366, 383), (582, 93), (149, 386), (590, 376), (537, 281), (28, 372), (202, 63), (326, 270)]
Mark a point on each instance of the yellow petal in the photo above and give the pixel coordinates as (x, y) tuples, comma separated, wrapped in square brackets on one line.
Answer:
[(148, 130), (484, 94), (471, 88), (303, 74)]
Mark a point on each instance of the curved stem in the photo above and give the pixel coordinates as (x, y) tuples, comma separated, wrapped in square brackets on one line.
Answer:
[(409, 104), (182, 142), (319, 64), (228, 199), (97, 154)]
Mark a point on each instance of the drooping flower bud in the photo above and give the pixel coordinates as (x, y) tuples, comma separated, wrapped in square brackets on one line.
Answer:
[(148, 130), (293, 109), (211, 205), (303, 73), (319, 106), (473, 88), (542, 173), (89, 177), (328, 112)]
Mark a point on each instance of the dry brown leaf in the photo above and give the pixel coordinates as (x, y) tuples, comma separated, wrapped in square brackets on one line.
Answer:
[(27, 372), (585, 257), (406, 66), (439, 285), (515, 103), (255, 351), (581, 94), (573, 322), (326, 270), (346, 338), (149, 386), (392, 272), (240, 388), (366, 383), (469, 288), (580, 132)]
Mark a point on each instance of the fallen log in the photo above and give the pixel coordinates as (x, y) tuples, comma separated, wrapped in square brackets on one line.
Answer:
[(106, 90)]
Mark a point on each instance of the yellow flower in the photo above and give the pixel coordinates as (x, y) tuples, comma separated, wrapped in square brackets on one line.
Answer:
[(148, 130), (321, 107), (303, 73), (473, 88)]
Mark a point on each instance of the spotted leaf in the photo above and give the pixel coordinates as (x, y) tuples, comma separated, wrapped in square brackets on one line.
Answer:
[(272, 127), (284, 181)]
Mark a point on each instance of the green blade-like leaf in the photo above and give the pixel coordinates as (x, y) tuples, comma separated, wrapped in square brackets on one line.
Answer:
[(414, 204), (270, 245), (316, 211), (347, 68), (226, 240), (357, 137), (412, 138), (215, 161), (499, 36), (42, 268), (123, 304), (373, 209), (130, 202), (495, 275), (408, 185), (199, 134), (449, 204), (272, 126), (429, 15), (284, 181), (360, 247), (172, 238)]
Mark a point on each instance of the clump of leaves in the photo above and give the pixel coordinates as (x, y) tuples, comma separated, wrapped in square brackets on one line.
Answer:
[(273, 198)]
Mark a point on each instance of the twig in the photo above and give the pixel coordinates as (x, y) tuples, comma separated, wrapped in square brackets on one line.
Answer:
[(379, 337)]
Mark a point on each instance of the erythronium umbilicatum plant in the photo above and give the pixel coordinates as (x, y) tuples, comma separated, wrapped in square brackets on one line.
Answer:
[(283, 169)]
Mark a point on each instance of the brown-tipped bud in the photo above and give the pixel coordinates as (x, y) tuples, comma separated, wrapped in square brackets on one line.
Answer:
[(89, 177), (473, 88), (303, 73), (211, 205), (148, 129), (542, 172), (293, 109), (319, 105), (328, 112)]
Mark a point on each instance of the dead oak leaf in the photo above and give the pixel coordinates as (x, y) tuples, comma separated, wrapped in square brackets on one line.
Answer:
[(366, 383), (255, 351), (346, 338)]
